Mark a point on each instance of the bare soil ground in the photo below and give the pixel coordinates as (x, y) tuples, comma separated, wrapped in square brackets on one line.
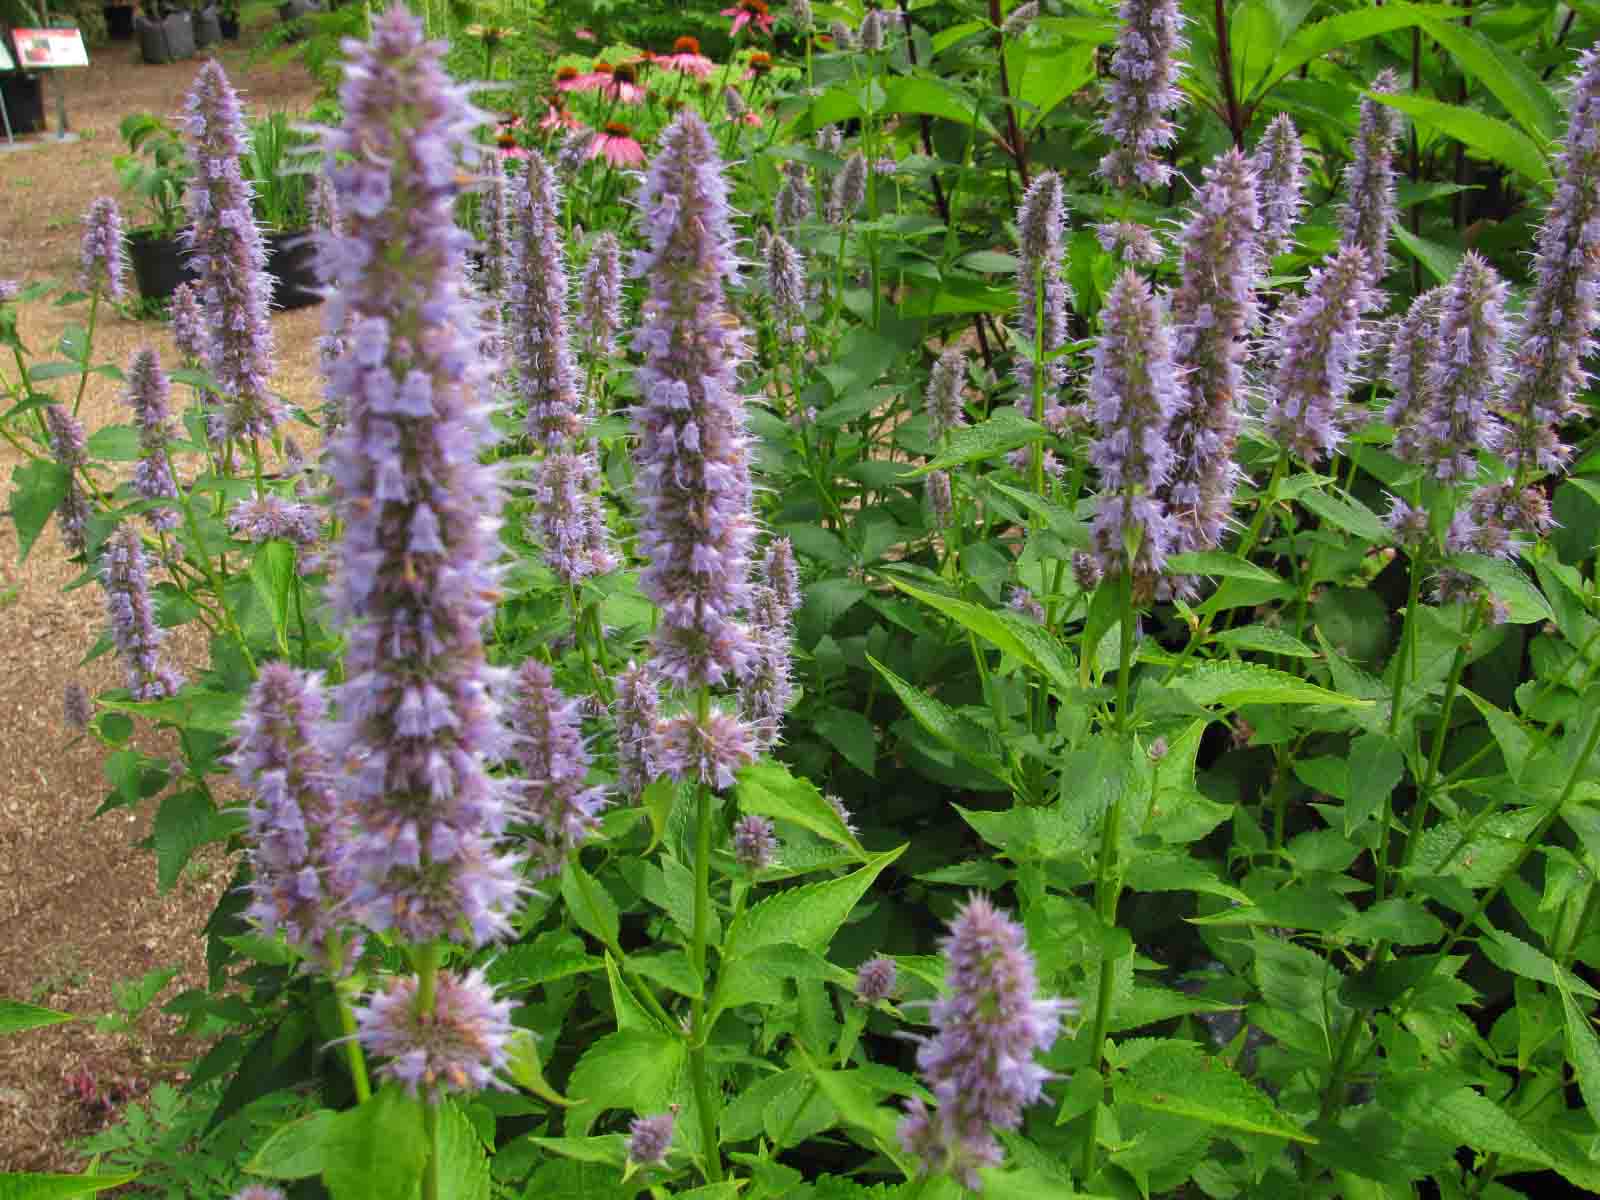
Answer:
[(79, 910)]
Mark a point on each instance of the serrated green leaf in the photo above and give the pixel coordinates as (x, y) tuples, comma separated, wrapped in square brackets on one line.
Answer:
[(1233, 684), (377, 1150), (851, 734), (1218, 564), (1005, 430), (948, 727), (182, 825), (192, 708), (1441, 261), (589, 903), (114, 443), (1349, 515), (1510, 953), (525, 1068), (808, 915), (1316, 40), (463, 1165), (1376, 768), (1525, 603), (629, 1012), (295, 1150), (38, 488), (1487, 137), (37, 1186), (638, 1071), (16, 1017), (1403, 922), (1180, 1078), (1520, 91), (1583, 1049), (606, 1148), (769, 789), (1263, 640), (554, 954), (1026, 641)]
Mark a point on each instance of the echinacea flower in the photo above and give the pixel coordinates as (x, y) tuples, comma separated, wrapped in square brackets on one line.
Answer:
[(558, 116), (615, 143), (687, 59), (749, 12), (456, 1046), (757, 66), (623, 86)]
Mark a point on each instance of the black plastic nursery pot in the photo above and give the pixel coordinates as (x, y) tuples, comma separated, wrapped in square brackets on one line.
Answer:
[(119, 22), (24, 97), (291, 261), (229, 26), (160, 264)]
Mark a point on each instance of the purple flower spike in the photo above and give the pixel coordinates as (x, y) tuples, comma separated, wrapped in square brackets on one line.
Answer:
[(1042, 293), (754, 844), (272, 518), (876, 980), (849, 189), (709, 754), (649, 1139), (70, 451), (1281, 179), (766, 693), (571, 517), (105, 263), (300, 826), (696, 524), (941, 504), (258, 1191), (1319, 340), (946, 383), (458, 1047), (494, 223), (1130, 241), (793, 204), (600, 298), (638, 708), (1558, 322), (126, 576), (188, 323), (419, 722), (1023, 602), (786, 288), (1134, 390), (227, 251), (76, 706), (537, 301), (564, 810), (1465, 374), (1369, 208), (1213, 311), (147, 394), (1143, 90), (979, 1063), (1411, 350)]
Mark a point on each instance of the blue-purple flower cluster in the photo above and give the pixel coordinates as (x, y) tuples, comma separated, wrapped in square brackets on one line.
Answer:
[(536, 299), (104, 261), (1043, 296), (71, 452), (1369, 207), (148, 393), (1280, 181), (556, 797), (600, 298), (126, 578), (1142, 91)]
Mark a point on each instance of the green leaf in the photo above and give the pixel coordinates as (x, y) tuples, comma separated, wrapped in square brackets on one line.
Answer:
[(1337, 33), (1403, 922), (806, 916), (1219, 564), (377, 1150), (1005, 430), (1510, 953), (670, 970), (948, 727), (526, 1070), (1052, 77), (463, 1165), (638, 1071), (1525, 603), (1026, 641), (1522, 93), (1376, 768), (920, 94), (183, 825), (273, 573), (1488, 137), (1230, 685), (1514, 741), (1264, 640), (1349, 515), (769, 788), (1583, 1050), (606, 1148), (37, 489), (192, 708), (16, 1017), (851, 734), (30, 1186), (114, 443), (589, 903), (554, 954), (295, 1150), (1180, 1078), (1441, 261), (629, 1012)]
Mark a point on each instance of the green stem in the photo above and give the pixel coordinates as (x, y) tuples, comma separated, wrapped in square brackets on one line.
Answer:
[(88, 343), (698, 1035), (347, 1020), (1107, 882), (426, 960)]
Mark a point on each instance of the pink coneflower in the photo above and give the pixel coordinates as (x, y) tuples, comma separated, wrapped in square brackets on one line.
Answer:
[(623, 85), (750, 12), (758, 66), (583, 35), (570, 79), (559, 117), (686, 57), (616, 143)]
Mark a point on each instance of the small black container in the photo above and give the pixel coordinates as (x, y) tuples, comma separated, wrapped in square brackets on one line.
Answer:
[(291, 260), (119, 22), (229, 26), (160, 264), (207, 28), (24, 95)]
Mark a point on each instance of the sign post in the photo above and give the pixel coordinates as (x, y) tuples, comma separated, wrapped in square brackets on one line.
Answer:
[(50, 49), (6, 65)]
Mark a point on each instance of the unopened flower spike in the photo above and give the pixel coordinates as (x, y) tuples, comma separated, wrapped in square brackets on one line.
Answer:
[(1280, 180), (1043, 297), (105, 262), (536, 296), (1369, 180)]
